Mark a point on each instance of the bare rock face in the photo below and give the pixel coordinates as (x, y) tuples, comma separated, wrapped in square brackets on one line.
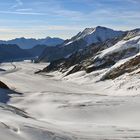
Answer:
[(127, 67), (4, 86), (132, 33), (112, 58), (76, 68)]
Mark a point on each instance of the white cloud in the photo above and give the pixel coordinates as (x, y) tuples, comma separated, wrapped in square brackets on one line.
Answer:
[(24, 10), (22, 13), (18, 3), (40, 28), (39, 31), (54, 12)]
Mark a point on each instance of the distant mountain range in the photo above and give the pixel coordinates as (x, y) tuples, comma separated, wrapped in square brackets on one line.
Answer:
[(30, 43), (22, 48), (12, 52)]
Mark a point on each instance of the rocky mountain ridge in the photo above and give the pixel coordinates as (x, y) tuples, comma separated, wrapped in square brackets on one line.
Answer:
[(101, 55), (77, 43)]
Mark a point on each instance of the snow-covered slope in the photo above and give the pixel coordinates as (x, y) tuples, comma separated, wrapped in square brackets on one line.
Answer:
[(16, 124), (121, 46), (98, 55), (121, 50), (69, 108), (95, 35), (128, 65)]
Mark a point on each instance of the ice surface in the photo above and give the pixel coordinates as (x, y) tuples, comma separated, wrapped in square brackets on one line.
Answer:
[(72, 107)]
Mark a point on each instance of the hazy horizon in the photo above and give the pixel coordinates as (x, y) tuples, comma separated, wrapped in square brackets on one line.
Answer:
[(43, 37), (60, 18)]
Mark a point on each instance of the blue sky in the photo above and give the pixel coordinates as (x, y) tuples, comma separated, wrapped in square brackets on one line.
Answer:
[(64, 18)]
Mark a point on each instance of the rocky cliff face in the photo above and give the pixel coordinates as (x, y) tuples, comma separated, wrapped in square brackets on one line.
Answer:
[(3, 86), (127, 67)]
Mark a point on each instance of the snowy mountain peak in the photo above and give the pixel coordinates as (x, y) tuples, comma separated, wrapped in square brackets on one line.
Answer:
[(101, 28), (95, 35), (88, 31), (91, 30), (48, 37)]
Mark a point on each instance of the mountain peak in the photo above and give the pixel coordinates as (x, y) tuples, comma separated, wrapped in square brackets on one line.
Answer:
[(97, 34), (101, 27), (87, 30), (48, 37), (91, 30)]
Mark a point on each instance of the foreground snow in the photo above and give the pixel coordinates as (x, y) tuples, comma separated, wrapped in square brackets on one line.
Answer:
[(17, 125), (72, 107)]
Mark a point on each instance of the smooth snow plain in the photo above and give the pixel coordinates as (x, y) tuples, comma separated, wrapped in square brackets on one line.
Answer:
[(77, 107)]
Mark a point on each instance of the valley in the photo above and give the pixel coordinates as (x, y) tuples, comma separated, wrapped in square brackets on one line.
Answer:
[(71, 107)]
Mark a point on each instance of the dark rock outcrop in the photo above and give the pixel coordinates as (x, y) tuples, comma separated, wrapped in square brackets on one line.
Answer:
[(127, 67), (36, 50), (12, 52), (3, 86)]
